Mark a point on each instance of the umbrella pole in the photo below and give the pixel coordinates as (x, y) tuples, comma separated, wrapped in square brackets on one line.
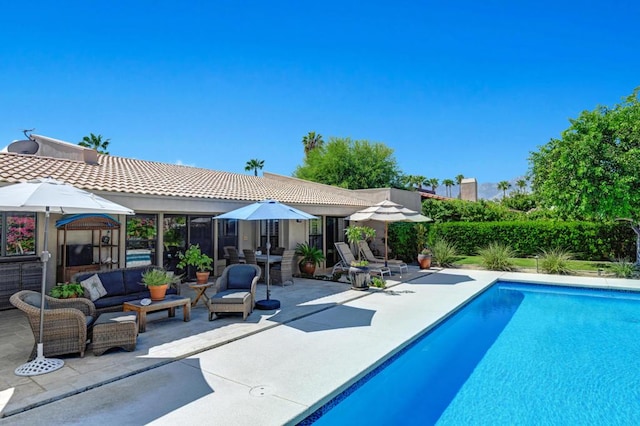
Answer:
[(386, 238), (41, 365), (269, 303)]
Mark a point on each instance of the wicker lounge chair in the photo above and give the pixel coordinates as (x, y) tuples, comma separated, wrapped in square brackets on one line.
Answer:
[(236, 290), (347, 257), (67, 322), (366, 252), (283, 272)]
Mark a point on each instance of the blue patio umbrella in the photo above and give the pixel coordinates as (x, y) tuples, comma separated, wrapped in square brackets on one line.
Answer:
[(267, 210)]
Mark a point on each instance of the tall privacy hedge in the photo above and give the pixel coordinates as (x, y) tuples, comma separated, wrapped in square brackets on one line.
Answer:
[(586, 240)]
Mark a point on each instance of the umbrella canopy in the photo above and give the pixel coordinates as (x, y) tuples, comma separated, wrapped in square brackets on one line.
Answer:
[(49, 195), (387, 211), (44, 194), (266, 210)]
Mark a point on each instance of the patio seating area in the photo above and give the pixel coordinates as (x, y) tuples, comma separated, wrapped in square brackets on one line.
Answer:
[(167, 339)]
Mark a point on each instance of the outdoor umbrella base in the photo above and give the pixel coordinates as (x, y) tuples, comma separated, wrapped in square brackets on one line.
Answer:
[(40, 365), (268, 304)]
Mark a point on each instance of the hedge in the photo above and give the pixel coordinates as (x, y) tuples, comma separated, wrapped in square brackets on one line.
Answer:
[(585, 240)]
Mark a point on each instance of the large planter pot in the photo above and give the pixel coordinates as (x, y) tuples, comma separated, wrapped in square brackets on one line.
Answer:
[(158, 292), (308, 268), (202, 277), (424, 260), (360, 277)]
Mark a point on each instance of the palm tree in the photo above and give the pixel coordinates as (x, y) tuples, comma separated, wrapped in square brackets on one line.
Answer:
[(521, 184), (448, 183), (503, 185), (95, 142), (459, 181), (254, 164), (433, 183), (311, 142)]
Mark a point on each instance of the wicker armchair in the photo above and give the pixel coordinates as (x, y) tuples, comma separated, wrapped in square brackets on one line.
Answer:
[(66, 322), (236, 290), (283, 273)]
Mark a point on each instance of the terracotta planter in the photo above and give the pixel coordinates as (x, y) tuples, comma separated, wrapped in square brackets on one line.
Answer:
[(424, 260), (308, 268), (202, 277), (158, 292)]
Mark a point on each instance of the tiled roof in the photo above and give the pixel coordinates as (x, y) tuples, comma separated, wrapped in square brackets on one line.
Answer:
[(127, 175), (424, 195)]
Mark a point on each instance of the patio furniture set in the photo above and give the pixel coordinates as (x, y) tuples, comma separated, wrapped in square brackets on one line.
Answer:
[(70, 323)]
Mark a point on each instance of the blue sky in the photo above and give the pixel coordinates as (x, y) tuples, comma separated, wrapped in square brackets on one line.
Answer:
[(460, 87)]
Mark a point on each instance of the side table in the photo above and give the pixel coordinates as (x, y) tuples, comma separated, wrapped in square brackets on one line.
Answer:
[(200, 290)]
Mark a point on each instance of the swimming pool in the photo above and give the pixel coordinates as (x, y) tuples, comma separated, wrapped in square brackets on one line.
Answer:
[(517, 354)]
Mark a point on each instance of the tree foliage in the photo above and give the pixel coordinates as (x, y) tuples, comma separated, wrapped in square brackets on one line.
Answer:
[(593, 170), (254, 164), (350, 164), (312, 141), (95, 142)]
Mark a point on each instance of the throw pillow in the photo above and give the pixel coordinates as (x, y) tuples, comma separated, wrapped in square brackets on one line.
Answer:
[(94, 286)]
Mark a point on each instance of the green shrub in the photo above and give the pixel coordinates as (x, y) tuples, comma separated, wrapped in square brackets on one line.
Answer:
[(403, 240), (443, 253), (586, 240), (496, 257), (623, 268), (378, 282), (556, 261)]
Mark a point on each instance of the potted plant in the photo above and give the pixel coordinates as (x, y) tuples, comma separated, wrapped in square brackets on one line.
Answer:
[(66, 290), (357, 233), (158, 281), (310, 258), (359, 275), (193, 256), (424, 258)]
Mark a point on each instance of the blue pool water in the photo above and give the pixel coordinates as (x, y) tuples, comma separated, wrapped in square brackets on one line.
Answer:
[(517, 354)]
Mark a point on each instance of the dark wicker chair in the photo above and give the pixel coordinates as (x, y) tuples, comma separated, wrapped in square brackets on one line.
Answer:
[(67, 322), (283, 273)]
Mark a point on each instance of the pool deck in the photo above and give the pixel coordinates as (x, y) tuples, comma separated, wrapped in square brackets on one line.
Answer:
[(273, 369)]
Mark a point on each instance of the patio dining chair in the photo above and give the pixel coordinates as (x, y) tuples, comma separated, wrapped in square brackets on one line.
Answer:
[(346, 257), (283, 272), (250, 257), (366, 252), (234, 258)]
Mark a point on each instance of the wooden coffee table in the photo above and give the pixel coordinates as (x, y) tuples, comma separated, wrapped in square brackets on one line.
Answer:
[(170, 302)]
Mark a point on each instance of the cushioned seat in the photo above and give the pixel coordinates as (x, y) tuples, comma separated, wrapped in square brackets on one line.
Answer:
[(236, 290)]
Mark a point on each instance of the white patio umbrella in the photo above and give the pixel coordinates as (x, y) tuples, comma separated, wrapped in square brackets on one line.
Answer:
[(387, 211), (51, 196), (266, 210)]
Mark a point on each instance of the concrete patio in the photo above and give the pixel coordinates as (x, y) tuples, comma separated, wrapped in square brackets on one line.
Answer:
[(275, 368)]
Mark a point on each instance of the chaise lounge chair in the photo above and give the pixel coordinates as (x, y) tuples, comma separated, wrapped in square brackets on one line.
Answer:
[(347, 257), (366, 252)]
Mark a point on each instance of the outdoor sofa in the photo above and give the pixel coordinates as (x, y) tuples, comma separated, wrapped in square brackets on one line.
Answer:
[(121, 285)]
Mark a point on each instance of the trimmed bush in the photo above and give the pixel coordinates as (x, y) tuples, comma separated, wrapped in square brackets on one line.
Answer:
[(586, 240)]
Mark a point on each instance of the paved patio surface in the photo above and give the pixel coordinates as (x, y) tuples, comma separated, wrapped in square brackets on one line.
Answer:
[(275, 368)]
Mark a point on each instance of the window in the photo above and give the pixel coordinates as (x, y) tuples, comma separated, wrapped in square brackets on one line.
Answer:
[(315, 233), (18, 234), (175, 239), (227, 235), (142, 232), (274, 230)]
